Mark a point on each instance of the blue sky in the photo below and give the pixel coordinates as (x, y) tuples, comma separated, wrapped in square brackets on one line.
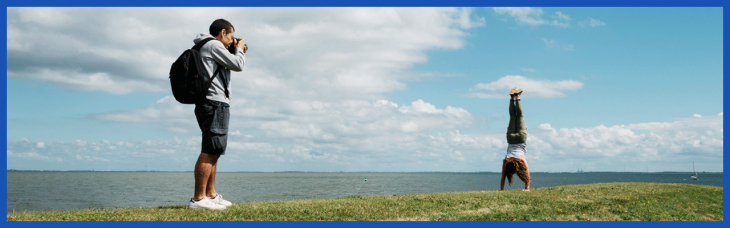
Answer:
[(373, 89)]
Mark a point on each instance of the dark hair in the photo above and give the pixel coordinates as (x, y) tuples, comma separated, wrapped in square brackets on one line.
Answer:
[(510, 166), (219, 24)]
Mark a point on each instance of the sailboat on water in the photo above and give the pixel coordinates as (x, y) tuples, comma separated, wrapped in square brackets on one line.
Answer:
[(693, 177)]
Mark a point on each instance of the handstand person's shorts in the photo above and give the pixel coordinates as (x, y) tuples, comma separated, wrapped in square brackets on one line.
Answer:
[(213, 121)]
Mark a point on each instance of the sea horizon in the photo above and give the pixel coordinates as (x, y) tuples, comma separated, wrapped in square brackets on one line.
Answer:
[(164, 171)]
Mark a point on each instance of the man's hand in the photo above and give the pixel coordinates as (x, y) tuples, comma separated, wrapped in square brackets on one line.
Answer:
[(242, 45)]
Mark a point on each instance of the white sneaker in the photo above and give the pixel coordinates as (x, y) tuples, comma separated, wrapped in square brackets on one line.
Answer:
[(219, 200), (205, 203)]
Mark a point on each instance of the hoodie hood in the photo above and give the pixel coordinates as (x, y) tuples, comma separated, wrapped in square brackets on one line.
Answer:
[(201, 37)]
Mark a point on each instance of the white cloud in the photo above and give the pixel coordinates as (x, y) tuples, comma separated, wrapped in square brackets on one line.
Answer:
[(591, 22), (315, 84), (533, 88), (545, 126), (666, 142), (385, 103), (465, 21), (561, 20), (600, 148), (176, 117), (532, 16), (81, 143), (409, 127), (32, 155), (113, 60), (523, 15), (550, 43), (359, 119), (76, 80), (528, 69), (553, 44), (457, 156), (697, 115), (312, 91), (40, 145), (347, 126), (353, 52)]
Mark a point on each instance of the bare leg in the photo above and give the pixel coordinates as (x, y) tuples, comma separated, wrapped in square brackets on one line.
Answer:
[(210, 191), (203, 168)]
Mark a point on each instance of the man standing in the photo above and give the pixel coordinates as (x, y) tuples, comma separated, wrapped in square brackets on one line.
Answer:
[(213, 113)]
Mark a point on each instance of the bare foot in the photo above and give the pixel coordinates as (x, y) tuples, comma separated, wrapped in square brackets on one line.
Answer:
[(526, 190)]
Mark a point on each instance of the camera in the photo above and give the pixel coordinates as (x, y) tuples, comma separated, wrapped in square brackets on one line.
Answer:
[(232, 48)]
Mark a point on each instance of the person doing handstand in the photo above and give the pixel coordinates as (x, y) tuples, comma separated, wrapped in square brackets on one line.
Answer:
[(515, 161)]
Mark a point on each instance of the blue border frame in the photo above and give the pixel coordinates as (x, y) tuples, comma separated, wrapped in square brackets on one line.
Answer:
[(396, 3), (374, 3)]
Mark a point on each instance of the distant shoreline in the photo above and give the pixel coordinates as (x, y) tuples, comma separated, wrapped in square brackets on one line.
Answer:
[(157, 171)]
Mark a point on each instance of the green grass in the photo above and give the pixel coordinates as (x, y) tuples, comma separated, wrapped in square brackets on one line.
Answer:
[(594, 202)]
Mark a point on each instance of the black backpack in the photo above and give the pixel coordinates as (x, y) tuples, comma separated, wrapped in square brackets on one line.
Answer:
[(188, 77)]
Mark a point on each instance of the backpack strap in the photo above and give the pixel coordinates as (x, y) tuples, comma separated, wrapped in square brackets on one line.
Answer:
[(223, 80), (197, 47), (201, 43)]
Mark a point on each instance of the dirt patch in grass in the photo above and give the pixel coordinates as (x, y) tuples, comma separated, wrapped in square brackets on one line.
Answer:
[(480, 211)]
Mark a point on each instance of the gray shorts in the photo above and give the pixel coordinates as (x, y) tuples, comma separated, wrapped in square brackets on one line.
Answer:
[(213, 121)]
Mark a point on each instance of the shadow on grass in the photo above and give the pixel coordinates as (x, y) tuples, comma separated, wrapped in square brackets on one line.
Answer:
[(173, 207)]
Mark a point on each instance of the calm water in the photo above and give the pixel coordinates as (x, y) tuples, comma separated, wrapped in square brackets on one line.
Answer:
[(39, 191)]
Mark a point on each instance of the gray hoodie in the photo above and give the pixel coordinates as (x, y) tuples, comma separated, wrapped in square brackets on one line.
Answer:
[(214, 53)]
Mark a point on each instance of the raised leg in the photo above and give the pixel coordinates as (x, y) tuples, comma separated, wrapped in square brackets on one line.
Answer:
[(517, 130), (511, 128)]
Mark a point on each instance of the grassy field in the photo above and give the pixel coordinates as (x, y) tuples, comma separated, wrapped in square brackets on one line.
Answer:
[(593, 202)]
